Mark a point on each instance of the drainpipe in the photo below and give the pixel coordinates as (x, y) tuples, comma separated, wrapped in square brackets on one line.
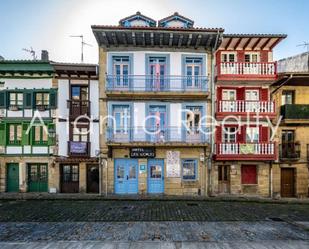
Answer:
[(212, 89)]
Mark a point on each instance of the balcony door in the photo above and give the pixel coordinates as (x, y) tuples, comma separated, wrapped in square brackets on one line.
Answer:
[(229, 103), (229, 140), (121, 67), (69, 178), (252, 101), (228, 65), (251, 63), (288, 144), (79, 100), (121, 129), (193, 124), (157, 124), (224, 179), (157, 74), (193, 73)]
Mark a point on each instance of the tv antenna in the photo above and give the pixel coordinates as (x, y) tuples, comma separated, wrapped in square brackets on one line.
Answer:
[(305, 45), (31, 52), (82, 45)]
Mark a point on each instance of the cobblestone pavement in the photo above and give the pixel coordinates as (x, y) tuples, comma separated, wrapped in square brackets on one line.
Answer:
[(121, 211), (152, 231)]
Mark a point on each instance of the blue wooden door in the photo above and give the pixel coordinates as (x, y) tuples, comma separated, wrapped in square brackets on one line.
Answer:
[(126, 176), (155, 176)]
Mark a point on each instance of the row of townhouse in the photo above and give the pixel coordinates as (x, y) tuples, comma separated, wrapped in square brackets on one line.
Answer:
[(149, 106)]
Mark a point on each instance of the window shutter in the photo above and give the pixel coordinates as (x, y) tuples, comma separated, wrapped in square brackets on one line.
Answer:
[(2, 134), (3, 99), (219, 134), (263, 134), (53, 99), (264, 56), (248, 174), (219, 93), (28, 100), (240, 93), (240, 56), (51, 134), (264, 94), (25, 136), (241, 134)]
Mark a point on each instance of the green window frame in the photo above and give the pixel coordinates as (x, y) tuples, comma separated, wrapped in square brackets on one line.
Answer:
[(42, 99), (40, 137), (15, 132), (16, 99)]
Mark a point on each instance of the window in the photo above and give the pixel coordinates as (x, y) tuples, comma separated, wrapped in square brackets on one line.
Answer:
[(252, 134), (228, 57), (42, 99), (287, 98), (80, 134), (252, 95), (229, 134), (252, 57), (288, 136), (157, 70), (193, 71), (121, 114), (16, 99), (223, 172), (229, 95), (15, 134), (248, 174), (189, 169), (121, 67), (40, 135), (79, 93), (193, 118)]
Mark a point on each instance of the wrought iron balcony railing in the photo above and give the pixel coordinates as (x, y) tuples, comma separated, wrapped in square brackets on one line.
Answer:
[(148, 83)]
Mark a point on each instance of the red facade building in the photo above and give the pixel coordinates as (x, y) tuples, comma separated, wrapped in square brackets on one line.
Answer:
[(244, 111)]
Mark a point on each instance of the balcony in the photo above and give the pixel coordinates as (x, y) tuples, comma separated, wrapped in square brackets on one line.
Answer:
[(294, 112), (245, 151), (289, 151), (167, 86), (78, 149), (78, 108), (242, 107), (158, 136), (246, 70)]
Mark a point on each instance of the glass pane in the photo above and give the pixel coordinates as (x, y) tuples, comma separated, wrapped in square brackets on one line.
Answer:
[(75, 92), (231, 57), (12, 132), (18, 132), (45, 135), (120, 172), (188, 169), (19, 99), (43, 172), (155, 171), (33, 172), (46, 98), (37, 133), (132, 172), (75, 138), (84, 93), (39, 99)]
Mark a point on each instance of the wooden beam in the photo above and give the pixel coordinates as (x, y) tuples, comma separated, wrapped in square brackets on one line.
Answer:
[(134, 38), (161, 40), (256, 43), (265, 43), (171, 39), (208, 42), (228, 43), (125, 41), (105, 38), (198, 41), (152, 39), (189, 40), (143, 39), (237, 43), (247, 43), (180, 41), (275, 43), (114, 39)]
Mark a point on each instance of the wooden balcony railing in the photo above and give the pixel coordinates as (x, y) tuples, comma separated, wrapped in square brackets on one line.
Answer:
[(161, 83), (247, 68), (78, 149), (242, 106), (78, 108), (289, 151), (245, 151)]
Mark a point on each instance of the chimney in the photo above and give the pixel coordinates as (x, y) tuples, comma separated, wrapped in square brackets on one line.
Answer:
[(44, 55)]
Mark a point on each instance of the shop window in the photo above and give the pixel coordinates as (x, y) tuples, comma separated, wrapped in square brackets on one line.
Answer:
[(189, 169), (248, 174)]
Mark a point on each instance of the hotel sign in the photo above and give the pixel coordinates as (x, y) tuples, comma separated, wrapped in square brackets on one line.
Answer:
[(147, 152)]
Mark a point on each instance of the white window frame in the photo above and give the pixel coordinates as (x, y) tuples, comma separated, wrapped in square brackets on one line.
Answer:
[(251, 132)]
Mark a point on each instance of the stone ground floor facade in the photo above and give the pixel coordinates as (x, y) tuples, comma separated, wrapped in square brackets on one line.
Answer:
[(121, 174)]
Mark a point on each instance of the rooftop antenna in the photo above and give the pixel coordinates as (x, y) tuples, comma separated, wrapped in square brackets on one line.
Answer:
[(82, 45), (31, 52), (305, 45)]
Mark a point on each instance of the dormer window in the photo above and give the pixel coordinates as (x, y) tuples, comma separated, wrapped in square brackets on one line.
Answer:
[(137, 20), (176, 21)]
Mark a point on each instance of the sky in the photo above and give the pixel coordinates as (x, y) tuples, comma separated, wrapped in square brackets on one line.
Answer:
[(48, 24)]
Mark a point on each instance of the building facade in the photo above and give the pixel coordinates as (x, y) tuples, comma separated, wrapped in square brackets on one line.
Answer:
[(28, 100), (290, 172), (244, 150), (155, 90)]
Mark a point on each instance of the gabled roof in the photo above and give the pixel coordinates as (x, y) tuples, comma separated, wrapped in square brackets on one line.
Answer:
[(25, 66), (176, 17), (126, 22)]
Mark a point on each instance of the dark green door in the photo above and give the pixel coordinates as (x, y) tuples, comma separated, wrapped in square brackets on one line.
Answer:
[(12, 178), (37, 178)]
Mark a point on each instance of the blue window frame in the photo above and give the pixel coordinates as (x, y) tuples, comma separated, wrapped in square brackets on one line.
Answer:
[(189, 169), (121, 115), (121, 66)]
